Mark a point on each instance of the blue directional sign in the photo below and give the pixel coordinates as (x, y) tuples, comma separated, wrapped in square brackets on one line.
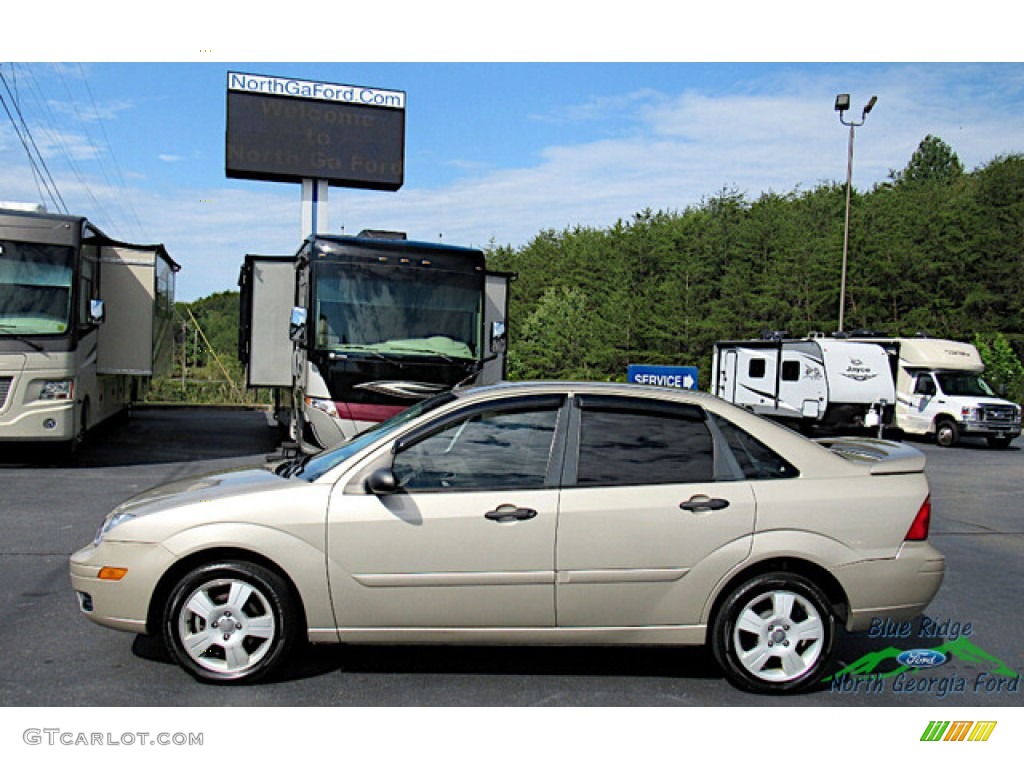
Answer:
[(679, 377)]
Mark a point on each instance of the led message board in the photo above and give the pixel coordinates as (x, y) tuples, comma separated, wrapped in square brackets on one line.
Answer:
[(281, 129)]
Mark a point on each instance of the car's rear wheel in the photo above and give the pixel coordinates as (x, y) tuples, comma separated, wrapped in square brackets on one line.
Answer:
[(230, 622), (774, 634)]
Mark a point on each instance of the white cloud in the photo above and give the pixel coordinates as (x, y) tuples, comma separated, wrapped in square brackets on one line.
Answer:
[(169, 158)]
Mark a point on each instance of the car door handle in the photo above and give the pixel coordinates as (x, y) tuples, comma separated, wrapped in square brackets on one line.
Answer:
[(507, 513), (701, 503)]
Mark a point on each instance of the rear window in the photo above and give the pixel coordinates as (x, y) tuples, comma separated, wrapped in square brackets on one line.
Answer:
[(756, 460)]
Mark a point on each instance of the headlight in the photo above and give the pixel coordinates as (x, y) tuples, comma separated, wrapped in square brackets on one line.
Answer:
[(327, 406), (57, 390), (111, 521)]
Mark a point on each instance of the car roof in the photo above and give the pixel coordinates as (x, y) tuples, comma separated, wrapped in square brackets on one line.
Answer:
[(593, 387)]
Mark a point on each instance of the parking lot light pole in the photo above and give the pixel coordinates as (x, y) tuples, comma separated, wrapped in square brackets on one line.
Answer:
[(843, 104)]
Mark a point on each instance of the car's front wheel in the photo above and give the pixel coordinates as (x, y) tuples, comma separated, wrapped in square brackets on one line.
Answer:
[(947, 434), (774, 634), (230, 622)]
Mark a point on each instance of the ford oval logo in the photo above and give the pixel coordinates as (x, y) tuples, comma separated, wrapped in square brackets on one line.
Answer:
[(921, 658)]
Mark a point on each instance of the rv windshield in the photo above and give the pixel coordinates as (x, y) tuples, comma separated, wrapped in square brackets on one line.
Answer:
[(964, 385), (35, 288), (387, 310)]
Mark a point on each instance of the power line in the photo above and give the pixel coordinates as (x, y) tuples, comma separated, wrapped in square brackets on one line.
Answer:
[(22, 132), (57, 137), (113, 157)]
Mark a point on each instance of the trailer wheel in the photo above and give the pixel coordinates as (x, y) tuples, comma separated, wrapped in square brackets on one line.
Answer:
[(947, 434)]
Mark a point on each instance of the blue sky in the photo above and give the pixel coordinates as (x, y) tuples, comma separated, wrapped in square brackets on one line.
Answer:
[(495, 152)]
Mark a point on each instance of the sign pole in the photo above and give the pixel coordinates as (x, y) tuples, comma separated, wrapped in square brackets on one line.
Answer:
[(314, 207)]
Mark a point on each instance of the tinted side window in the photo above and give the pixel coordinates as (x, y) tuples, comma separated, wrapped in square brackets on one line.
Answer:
[(490, 449), (756, 368), (791, 370), (645, 446), (757, 460)]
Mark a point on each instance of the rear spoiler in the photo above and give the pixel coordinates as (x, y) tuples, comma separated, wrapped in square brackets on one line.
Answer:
[(885, 456)]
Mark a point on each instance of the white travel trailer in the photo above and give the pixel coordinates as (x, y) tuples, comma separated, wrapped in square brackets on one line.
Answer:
[(940, 392), (835, 384), (84, 323)]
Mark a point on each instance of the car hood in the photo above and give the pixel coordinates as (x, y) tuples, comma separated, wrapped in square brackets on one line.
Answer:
[(203, 488)]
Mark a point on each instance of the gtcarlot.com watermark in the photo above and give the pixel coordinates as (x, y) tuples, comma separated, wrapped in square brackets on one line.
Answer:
[(54, 737)]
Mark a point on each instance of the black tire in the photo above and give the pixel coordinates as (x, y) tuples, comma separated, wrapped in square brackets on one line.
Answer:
[(999, 441), (774, 634), (947, 433), (230, 622)]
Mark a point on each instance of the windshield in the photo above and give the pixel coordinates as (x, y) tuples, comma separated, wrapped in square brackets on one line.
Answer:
[(35, 288), (398, 310), (964, 385), (313, 467)]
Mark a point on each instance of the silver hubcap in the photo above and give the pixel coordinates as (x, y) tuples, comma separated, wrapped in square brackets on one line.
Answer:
[(226, 626), (778, 636)]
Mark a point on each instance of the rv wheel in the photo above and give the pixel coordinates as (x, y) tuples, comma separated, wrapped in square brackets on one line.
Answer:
[(946, 433)]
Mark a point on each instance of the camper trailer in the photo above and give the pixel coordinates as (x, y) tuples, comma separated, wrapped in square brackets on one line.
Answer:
[(940, 392), (815, 381), (85, 321), (352, 330)]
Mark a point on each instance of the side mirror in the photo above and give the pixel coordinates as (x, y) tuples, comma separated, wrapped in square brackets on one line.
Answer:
[(499, 336), (297, 325), (382, 482), (97, 312)]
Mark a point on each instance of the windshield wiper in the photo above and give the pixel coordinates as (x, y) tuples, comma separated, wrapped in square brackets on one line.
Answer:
[(20, 337), (293, 466), (363, 350)]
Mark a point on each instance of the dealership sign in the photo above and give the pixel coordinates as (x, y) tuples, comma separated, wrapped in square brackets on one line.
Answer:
[(677, 377), (286, 129)]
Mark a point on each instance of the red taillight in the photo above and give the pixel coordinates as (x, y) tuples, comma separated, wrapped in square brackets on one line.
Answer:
[(919, 528)]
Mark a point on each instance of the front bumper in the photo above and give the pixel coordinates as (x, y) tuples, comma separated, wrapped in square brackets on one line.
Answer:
[(42, 421), (988, 428), (122, 604), (898, 589)]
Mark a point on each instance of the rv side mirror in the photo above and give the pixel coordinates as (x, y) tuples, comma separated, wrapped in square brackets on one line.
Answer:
[(97, 312), (499, 336), (297, 325), (382, 482)]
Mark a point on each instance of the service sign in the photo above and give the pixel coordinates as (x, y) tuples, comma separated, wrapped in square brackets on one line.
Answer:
[(677, 377), (286, 129)]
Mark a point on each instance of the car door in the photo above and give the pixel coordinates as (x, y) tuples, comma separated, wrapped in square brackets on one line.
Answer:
[(647, 525), (467, 540)]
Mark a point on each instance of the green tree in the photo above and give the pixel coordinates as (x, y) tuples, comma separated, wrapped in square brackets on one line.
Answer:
[(1003, 369), (933, 160), (557, 340)]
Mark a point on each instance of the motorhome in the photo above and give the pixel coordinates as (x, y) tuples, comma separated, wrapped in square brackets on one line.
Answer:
[(85, 321), (816, 381), (355, 329), (940, 392)]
